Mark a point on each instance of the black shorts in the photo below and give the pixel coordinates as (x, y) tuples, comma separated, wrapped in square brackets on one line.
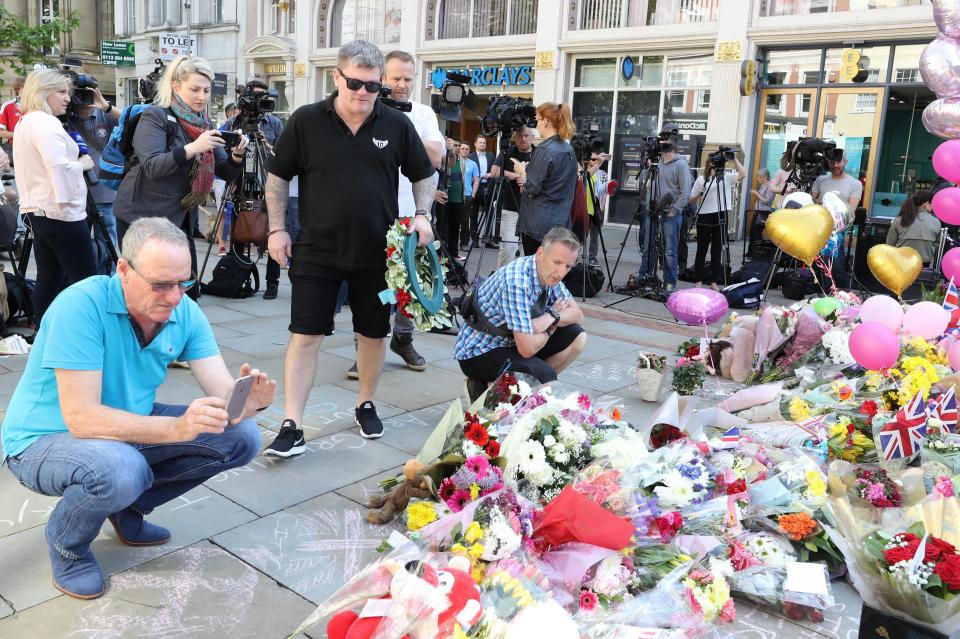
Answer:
[(314, 300), (487, 366)]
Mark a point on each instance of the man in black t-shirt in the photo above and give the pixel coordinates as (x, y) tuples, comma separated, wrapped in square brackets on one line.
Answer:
[(346, 151), (520, 149)]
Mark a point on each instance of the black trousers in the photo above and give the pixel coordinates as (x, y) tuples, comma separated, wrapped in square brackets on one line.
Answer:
[(454, 213), (709, 236), (187, 227), (530, 245), (64, 255), (486, 367)]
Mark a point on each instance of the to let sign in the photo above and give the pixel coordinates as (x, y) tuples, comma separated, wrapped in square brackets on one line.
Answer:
[(117, 53), (171, 45)]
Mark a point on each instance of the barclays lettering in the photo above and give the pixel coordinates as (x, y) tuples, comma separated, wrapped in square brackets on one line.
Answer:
[(487, 76)]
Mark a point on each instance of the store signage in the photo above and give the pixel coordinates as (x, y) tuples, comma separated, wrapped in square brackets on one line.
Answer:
[(626, 68), (544, 60), (116, 53), (275, 69), (729, 51), (691, 127), (853, 66), (219, 86), (748, 77), (300, 70), (172, 45), (485, 76)]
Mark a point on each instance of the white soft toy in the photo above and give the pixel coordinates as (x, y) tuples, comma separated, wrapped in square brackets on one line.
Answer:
[(546, 619)]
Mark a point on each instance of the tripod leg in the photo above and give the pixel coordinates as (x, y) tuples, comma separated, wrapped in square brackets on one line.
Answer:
[(227, 196)]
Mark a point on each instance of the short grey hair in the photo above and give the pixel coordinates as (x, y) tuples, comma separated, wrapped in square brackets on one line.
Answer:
[(151, 228), (563, 236), (362, 54), (764, 172)]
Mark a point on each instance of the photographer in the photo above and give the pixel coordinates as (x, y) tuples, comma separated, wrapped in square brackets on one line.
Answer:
[(173, 165), (519, 151), (548, 181), (712, 216), (269, 127), (673, 193), (95, 122), (849, 188), (53, 195)]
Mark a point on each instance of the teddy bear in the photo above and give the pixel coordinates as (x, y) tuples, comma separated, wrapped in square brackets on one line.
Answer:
[(736, 362), (384, 508), (432, 601)]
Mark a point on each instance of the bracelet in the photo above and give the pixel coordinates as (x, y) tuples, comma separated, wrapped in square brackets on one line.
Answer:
[(263, 408), (276, 231)]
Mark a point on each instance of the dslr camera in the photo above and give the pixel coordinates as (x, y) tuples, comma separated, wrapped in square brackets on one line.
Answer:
[(507, 114), (721, 156)]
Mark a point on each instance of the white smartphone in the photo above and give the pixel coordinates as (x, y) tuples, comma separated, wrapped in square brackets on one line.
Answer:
[(237, 397)]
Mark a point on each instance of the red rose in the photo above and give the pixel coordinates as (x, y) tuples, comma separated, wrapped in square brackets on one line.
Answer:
[(737, 487), (902, 553), (949, 571), (390, 251), (945, 547), (868, 408), (492, 449)]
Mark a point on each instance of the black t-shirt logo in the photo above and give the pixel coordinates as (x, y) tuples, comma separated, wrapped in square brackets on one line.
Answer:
[(380, 143)]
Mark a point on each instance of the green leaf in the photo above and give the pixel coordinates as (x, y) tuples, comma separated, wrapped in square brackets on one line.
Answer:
[(28, 45), (874, 545), (917, 529), (810, 545)]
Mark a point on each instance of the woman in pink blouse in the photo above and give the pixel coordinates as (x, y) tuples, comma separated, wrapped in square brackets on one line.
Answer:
[(53, 194)]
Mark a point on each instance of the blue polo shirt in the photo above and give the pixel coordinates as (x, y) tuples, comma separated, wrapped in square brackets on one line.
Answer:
[(88, 328)]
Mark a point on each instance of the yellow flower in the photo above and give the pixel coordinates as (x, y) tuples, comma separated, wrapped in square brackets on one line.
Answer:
[(475, 551), (420, 514), (815, 483), (874, 380), (798, 409), (458, 632), (474, 491), (459, 549), (477, 573), (473, 532)]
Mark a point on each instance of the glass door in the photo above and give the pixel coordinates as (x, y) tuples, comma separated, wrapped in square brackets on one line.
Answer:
[(851, 118)]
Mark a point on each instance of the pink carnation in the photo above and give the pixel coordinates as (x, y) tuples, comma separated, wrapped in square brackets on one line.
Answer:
[(729, 612)]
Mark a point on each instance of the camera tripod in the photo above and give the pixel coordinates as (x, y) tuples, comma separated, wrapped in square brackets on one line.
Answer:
[(592, 227), (718, 184)]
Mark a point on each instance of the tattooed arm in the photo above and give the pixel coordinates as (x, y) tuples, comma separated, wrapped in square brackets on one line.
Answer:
[(276, 193), (423, 191)]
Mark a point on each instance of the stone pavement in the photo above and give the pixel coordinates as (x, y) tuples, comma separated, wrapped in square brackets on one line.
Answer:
[(256, 549)]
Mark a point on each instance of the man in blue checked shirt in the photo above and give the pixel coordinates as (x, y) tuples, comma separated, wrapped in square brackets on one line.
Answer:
[(524, 319)]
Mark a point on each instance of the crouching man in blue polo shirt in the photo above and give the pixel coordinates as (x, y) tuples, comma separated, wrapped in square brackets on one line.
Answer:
[(523, 318), (83, 423)]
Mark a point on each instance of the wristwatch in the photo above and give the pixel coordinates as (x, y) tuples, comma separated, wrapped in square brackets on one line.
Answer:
[(556, 319)]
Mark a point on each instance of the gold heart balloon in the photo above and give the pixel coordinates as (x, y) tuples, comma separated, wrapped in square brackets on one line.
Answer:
[(801, 233), (895, 268)]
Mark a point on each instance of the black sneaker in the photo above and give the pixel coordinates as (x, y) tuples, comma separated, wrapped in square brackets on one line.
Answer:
[(473, 389), (352, 372), (271, 292), (402, 345), (289, 441), (366, 417)]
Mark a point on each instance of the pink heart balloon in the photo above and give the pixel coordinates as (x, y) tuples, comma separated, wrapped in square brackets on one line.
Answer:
[(946, 13), (942, 118), (940, 67)]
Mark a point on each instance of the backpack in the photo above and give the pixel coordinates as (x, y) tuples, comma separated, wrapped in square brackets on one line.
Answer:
[(231, 278), (746, 294), (19, 295), (574, 281), (117, 156)]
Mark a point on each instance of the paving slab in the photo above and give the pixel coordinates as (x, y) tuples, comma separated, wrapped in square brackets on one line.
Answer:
[(312, 548), (199, 591), (259, 325), (414, 390), (330, 409), (269, 484), (201, 513), (605, 375), (600, 348), (264, 345), (5, 609), (21, 508), (409, 431), (219, 314), (14, 363), (359, 492)]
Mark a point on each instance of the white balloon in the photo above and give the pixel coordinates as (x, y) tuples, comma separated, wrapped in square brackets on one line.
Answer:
[(839, 210), (940, 67), (946, 13)]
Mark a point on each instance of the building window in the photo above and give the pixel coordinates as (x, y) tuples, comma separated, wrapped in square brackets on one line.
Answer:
[(478, 18), (376, 21), (162, 12), (866, 102), (703, 100), (903, 76), (130, 16)]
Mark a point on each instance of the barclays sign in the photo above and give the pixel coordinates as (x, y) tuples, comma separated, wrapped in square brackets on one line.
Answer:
[(485, 76)]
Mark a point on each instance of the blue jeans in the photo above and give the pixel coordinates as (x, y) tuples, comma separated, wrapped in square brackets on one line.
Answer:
[(670, 229), (110, 221), (99, 477)]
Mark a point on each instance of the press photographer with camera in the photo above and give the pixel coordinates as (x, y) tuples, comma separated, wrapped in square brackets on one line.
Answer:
[(714, 207), (549, 179), (176, 154), (53, 194), (519, 151)]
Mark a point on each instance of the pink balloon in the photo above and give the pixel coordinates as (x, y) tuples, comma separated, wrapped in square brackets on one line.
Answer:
[(951, 263), (882, 309), (874, 346), (953, 356), (946, 204), (946, 160), (926, 319), (697, 306)]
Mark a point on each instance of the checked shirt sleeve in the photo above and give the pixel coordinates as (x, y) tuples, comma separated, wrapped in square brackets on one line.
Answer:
[(516, 303)]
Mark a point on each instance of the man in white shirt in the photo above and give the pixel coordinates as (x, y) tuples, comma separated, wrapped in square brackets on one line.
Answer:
[(399, 75)]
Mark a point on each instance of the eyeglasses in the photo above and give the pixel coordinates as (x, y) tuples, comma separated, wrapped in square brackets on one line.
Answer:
[(165, 287), (372, 86)]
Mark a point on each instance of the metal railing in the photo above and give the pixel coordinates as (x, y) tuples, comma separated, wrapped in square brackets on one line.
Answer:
[(803, 7), (479, 18), (611, 14)]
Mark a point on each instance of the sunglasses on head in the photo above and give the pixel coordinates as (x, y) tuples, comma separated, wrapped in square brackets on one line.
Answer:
[(372, 86)]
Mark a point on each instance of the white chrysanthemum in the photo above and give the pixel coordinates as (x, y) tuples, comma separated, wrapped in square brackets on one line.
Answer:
[(559, 454), (676, 491), (549, 441), (470, 449), (541, 474), (530, 454), (571, 433)]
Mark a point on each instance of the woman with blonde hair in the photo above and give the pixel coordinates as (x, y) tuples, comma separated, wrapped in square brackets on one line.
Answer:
[(548, 180), (177, 153), (53, 195)]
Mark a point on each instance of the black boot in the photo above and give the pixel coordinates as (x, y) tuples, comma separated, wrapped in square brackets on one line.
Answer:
[(402, 345)]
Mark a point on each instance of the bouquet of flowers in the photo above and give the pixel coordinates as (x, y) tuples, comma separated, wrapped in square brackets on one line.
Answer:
[(506, 391), (688, 375), (940, 452), (476, 478), (708, 591), (875, 487), (399, 280), (684, 478), (650, 367), (609, 583)]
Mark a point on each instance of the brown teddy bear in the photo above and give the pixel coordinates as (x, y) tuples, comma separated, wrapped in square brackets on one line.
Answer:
[(415, 485)]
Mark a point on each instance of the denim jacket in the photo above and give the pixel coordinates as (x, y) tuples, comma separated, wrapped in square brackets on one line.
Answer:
[(548, 190)]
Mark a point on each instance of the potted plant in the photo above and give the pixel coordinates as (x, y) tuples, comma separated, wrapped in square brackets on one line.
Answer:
[(688, 375), (650, 367)]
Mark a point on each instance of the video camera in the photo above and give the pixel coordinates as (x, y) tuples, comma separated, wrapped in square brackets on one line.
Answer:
[(147, 85), (252, 103), (82, 84), (807, 159), (586, 142), (507, 114), (721, 156), (453, 94), (655, 145), (387, 101)]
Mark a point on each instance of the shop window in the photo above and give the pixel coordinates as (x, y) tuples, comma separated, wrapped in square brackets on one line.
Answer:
[(800, 66), (282, 20), (596, 72), (905, 76), (865, 103), (876, 64), (376, 21), (904, 163), (694, 71), (647, 72), (677, 78), (283, 108), (593, 107), (703, 100), (677, 100)]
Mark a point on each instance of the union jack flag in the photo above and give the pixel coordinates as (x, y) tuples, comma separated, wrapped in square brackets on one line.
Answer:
[(952, 300), (815, 427), (730, 439), (945, 409), (900, 439)]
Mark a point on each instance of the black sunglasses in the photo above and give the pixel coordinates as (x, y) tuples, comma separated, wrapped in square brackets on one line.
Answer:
[(372, 86)]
